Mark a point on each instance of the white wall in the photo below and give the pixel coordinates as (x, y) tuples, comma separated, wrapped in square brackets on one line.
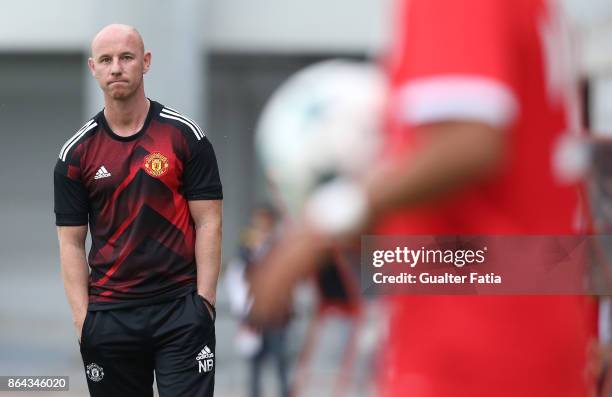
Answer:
[(27, 25), (593, 21), (297, 25), (243, 25), (261, 25), (601, 109)]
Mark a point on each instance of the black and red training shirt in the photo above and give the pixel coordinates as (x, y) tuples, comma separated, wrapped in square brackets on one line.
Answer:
[(134, 191)]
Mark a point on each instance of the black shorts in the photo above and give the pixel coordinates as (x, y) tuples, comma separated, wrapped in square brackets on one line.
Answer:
[(122, 348)]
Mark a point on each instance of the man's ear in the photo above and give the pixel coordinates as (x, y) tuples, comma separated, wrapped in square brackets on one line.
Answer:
[(91, 66), (147, 61)]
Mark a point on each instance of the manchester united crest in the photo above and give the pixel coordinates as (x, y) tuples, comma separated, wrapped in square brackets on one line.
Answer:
[(95, 372), (156, 164)]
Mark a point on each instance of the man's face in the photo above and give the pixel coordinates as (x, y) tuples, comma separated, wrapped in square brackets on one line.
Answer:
[(119, 62)]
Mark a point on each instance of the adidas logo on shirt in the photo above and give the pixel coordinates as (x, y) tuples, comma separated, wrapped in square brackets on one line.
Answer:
[(205, 360), (102, 173)]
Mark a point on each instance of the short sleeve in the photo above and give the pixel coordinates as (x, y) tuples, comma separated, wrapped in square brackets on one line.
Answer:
[(201, 179), (456, 60), (71, 204)]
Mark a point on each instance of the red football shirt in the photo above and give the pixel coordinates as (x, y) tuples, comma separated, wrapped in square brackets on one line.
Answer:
[(505, 63), (134, 193)]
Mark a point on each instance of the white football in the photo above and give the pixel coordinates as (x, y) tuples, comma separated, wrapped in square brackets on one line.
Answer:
[(323, 122)]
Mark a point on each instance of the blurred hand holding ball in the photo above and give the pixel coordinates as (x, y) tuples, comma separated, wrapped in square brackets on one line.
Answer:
[(322, 124)]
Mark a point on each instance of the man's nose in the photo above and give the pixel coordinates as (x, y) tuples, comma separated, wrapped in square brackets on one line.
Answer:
[(115, 67)]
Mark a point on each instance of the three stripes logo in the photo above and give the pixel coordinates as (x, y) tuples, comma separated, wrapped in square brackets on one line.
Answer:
[(206, 360), (174, 115), (75, 138), (102, 173)]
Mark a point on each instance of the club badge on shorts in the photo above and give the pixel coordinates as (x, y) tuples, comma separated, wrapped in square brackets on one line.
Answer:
[(156, 164), (95, 372)]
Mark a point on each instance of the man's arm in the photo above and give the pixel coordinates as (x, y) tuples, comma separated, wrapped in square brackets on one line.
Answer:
[(75, 272), (207, 216), (456, 154)]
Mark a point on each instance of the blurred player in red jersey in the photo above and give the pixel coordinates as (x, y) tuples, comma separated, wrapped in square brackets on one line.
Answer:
[(481, 94)]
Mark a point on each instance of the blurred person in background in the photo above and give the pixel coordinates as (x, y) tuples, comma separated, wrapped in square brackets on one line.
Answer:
[(254, 342), (481, 93), (146, 180)]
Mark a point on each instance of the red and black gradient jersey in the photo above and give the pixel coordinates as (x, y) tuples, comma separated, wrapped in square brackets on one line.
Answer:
[(134, 193)]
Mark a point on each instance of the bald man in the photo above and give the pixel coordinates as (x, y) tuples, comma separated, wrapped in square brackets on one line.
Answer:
[(144, 179)]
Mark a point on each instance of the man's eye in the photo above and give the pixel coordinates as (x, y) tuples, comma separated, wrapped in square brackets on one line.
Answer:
[(105, 60)]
